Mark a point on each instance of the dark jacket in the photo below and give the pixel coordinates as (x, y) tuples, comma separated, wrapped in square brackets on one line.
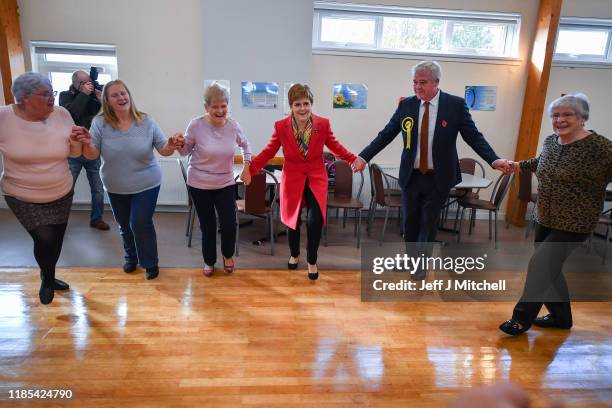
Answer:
[(453, 118), (82, 107)]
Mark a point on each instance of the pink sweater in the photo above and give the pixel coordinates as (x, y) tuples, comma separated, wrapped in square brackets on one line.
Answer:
[(35, 156), (212, 149)]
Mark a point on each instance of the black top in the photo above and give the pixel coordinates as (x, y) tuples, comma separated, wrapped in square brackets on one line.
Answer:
[(82, 107)]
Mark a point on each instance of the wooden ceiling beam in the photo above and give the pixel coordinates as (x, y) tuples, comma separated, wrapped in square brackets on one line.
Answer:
[(12, 61), (540, 63)]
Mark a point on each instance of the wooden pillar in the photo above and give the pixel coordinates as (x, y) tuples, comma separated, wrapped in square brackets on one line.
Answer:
[(538, 75), (12, 62)]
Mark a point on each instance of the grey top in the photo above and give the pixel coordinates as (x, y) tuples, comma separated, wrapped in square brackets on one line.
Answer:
[(129, 165)]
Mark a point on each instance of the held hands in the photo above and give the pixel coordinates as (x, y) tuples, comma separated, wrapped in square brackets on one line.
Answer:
[(176, 141), (358, 165), (81, 135), (505, 166), (245, 176)]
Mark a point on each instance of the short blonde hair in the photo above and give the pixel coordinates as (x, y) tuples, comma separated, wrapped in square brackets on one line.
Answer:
[(299, 91), (109, 115), (215, 92)]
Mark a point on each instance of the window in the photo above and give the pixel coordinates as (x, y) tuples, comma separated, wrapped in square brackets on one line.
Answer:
[(584, 41), (399, 30), (60, 60)]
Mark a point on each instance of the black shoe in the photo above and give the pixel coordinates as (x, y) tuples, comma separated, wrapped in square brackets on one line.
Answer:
[(152, 273), (100, 224), (60, 285), (512, 327), (292, 265), (313, 275), (45, 294), (550, 322), (129, 267)]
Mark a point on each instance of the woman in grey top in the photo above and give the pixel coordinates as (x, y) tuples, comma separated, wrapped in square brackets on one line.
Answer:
[(125, 138), (573, 170)]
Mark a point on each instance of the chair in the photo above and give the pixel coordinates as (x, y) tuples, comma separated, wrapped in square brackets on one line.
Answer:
[(467, 165), (606, 220), (524, 194), (254, 203), (191, 212), (502, 185), (381, 196), (343, 196)]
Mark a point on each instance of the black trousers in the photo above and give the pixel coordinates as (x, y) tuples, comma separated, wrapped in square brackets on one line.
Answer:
[(422, 203), (545, 284), (222, 200), (314, 226), (48, 240)]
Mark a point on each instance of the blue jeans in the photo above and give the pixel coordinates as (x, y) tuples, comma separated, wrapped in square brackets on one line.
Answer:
[(92, 167), (134, 214)]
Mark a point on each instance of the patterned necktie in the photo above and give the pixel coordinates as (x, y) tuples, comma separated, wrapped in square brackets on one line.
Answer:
[(302, 137), (423, 140)]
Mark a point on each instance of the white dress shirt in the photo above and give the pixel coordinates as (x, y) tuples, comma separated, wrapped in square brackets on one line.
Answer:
[(433, 116)]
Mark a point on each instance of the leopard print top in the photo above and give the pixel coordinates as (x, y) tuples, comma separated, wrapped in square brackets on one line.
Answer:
[(572, 182)]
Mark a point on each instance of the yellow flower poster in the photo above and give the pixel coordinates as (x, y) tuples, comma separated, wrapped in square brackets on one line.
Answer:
[(350, 96)]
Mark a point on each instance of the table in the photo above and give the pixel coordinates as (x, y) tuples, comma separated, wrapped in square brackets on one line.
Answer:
[(469, 181), (269, 179)]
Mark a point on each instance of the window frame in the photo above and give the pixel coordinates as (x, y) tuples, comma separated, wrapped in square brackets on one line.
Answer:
[(511, 21), (38, 49), (584, 60)]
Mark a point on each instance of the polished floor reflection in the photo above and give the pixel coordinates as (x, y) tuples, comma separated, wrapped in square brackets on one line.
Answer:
[(275, 339)]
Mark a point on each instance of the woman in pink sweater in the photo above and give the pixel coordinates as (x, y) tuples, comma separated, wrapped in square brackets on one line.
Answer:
[(211, 140), (37, 185)]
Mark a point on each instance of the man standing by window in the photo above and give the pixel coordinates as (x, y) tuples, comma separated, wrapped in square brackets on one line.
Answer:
[(82, 100)]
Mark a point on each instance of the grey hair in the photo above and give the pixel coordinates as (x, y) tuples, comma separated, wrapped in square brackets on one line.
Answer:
[(25, 85), (432, 67), (578, 102), (75, 78), (215, 92)]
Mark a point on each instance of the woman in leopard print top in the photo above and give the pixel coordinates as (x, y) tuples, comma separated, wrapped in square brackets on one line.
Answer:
[(573, 170)]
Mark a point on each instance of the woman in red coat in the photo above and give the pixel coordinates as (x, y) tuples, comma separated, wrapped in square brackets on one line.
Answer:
[(304, 179)]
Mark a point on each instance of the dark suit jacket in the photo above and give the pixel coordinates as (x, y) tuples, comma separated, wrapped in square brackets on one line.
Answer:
[(82, 107), (453, 118)]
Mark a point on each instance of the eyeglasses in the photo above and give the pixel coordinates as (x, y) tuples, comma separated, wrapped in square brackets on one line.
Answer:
[(48, 94), (564, 115)]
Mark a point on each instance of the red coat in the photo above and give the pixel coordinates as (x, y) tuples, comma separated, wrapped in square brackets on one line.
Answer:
[(297, 169)]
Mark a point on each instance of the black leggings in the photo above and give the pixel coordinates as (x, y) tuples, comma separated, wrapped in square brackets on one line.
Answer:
[(545, 284), (314, 226), (48, 241), (206, 202)]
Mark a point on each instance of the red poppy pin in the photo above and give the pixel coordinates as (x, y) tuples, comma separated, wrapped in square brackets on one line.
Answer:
[(444, 123)]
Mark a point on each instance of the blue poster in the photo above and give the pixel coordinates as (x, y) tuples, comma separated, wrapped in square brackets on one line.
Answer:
[(483, 98), (350, 96), (260, 95)]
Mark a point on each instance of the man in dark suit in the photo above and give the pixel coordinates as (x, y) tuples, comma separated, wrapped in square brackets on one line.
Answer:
[(429, 122)]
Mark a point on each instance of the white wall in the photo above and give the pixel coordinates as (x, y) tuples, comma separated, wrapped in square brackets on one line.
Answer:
[(596, 83), (260, 41), (159, 47)]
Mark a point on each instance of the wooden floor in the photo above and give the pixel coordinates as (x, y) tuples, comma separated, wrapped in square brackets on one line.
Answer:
[(274, 339)]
